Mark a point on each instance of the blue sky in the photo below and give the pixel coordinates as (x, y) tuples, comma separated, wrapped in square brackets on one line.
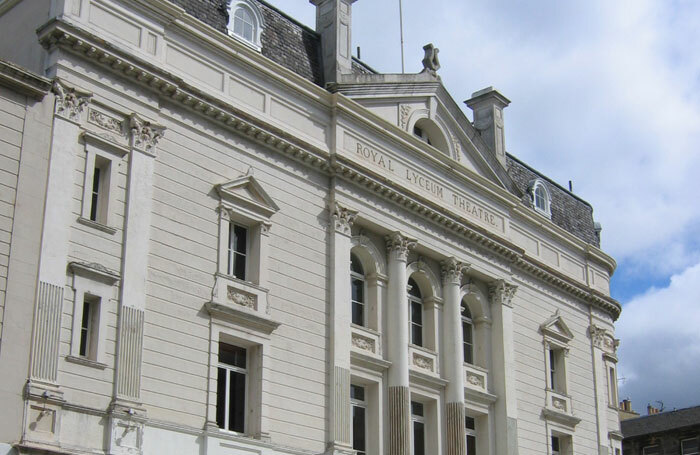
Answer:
[(606, 94)]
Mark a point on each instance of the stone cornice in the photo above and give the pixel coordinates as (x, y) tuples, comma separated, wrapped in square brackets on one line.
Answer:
[(60, 34), (23, 81)]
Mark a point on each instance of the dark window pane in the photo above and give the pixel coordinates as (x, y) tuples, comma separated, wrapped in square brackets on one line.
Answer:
[(241, 238), (418, 438), (467, 332), (469, 423), (358, 428), (221, 398), (417, 408), (239, 266), (358, 313), (555, 443), (356, 265), (85, 329), (236, 405), (358, 290), (357, 392), (95, 194), (232, 355), (471, 445), (415, 290), (416, 313), (465, 312), (416, 335)]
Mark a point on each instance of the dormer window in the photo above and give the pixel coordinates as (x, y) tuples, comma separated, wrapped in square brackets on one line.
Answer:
[(246, 22), (541, 200)]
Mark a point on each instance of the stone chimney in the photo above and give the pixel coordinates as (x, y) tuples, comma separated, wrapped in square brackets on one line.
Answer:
[(651, 410), (334, 24), (488, 105)]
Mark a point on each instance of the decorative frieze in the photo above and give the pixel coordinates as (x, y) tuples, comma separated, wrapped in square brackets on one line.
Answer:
[(242, 298), (70, 102), (452, 271), (47, 332), (364, 343), (502, 293), (106, 122), (342, 218), (399, 246), (144, 134), (425, 363)]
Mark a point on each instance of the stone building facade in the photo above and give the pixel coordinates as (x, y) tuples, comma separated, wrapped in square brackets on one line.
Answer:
[(223, 234)]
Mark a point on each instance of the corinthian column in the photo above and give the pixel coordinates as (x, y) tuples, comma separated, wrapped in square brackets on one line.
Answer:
[(452, 271), (398, 247), (506, 410), (341, 221)]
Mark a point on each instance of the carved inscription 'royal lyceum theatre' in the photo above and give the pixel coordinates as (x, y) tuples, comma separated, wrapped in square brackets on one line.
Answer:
[(422, 184)]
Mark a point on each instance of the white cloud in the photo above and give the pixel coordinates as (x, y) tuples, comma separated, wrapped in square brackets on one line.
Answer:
[(660, 348)]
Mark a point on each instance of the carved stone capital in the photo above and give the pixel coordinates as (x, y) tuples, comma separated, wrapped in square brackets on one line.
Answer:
[(342, 218), (597, 335), (502, 293), (70, 102), (398, 245), (144, 134), (452, 271)]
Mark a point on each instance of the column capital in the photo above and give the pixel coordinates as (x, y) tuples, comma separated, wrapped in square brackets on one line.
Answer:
[(70, 102), (398, 246), (597, 335), (144, 134), (502, 293), (342, 218), (452, 270)]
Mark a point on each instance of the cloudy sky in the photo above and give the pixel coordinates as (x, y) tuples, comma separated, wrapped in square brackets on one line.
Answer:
[(606, 94)]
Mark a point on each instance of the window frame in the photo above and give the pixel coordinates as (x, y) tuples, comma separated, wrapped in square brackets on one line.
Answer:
[(257, 19), (232, 252), (356, 276), (412, 299), (538, 190), (697, 446), (418, 419), (470, 433), (361, 404), (228, 368), (467, 347), (645, 449)]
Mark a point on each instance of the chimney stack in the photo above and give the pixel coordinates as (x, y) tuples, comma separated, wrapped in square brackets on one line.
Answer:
[(334, 24), (651, 410), (488, 105)]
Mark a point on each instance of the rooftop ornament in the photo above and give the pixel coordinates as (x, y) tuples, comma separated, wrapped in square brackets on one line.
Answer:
[(431, 64)]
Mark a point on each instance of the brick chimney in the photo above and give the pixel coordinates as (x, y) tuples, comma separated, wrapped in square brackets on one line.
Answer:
[(651, 410), (626, 405), (488, 105), (334, 24)]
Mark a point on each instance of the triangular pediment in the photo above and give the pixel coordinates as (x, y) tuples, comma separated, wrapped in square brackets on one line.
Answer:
[(407, 100), (556, 328), (246, 192)]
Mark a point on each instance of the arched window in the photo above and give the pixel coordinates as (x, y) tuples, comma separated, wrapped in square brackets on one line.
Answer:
[(415, 312), (467, 335), (357, 286), (541, 200), (427, 131), (243, 24), (246, 22)]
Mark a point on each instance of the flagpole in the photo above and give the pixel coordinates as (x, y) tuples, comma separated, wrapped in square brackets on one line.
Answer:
[(403, 69)]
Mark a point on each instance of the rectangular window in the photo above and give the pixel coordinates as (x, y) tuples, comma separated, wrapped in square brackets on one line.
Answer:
[(237, 251), (416, 312), (557, 378), (470, 425), (231, 388), (418, 420), (89, 326), (556, 445), (95, 194), (359, 419), (690, 447), (651, 450), (553, 371), (98, 191), (468, 342), (358, 300)]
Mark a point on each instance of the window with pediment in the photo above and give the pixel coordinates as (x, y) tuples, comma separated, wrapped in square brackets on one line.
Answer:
[(246, 22)]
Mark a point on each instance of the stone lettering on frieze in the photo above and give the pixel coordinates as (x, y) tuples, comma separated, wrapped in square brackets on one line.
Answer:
[(421, 183)]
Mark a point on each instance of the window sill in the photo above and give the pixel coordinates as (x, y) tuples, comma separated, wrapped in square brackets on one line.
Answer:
[(86, 362), (96, 225), (365, 340)]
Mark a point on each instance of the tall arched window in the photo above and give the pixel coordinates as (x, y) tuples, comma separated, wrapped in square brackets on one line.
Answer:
[(357, 286), (467, 335), (415, 312)]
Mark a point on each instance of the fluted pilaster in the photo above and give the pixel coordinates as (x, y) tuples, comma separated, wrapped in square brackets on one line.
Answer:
[(456, 433), (399, 420)]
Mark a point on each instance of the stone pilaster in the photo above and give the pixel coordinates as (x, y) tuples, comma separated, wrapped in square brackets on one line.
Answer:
[(598, 336), (341, 221), (452, 271), (127, 416), (398, 248), (506, 411)]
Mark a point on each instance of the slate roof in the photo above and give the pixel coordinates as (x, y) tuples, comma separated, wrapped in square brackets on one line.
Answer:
[(284, 40), (569, 212), (657, 423), (298, 48)]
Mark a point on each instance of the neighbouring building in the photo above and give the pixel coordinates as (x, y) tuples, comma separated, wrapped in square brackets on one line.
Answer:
[(674, 432), (223, 234)]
